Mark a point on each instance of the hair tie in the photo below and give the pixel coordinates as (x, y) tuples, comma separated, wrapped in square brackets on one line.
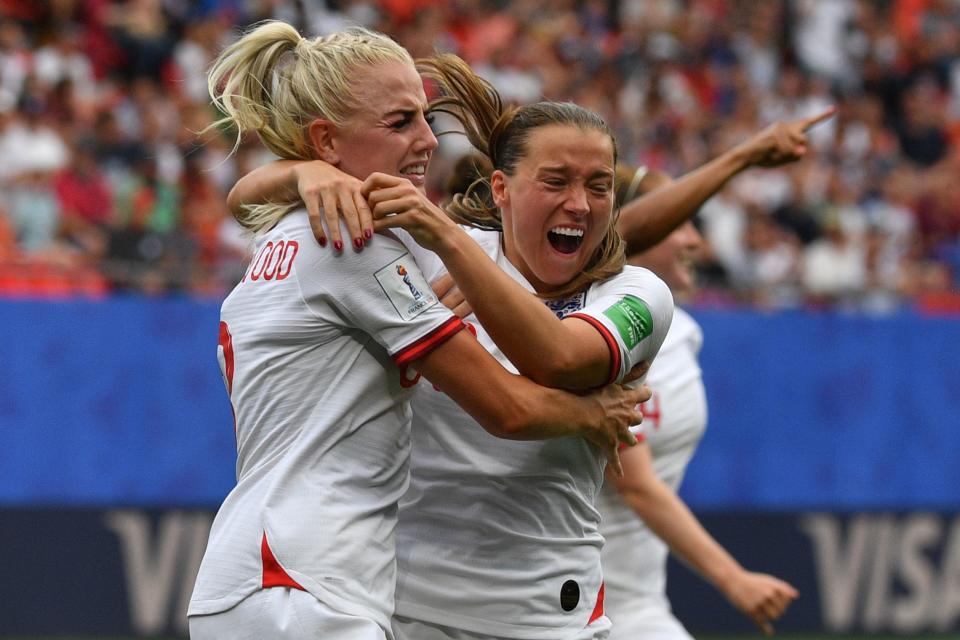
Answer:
[(638, 177)]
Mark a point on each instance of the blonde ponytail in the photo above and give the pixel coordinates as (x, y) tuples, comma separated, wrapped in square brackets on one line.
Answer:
[(274, 82)]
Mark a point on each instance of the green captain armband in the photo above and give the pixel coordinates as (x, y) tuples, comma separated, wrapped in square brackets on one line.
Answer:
[(632, 318)]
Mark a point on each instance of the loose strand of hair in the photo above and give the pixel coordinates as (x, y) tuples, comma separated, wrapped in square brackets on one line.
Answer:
[(473, 101), (477, 106)]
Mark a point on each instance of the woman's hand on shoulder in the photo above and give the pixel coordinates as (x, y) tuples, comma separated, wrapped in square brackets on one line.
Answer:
[(620, 410), (331, 195), (395, 202)]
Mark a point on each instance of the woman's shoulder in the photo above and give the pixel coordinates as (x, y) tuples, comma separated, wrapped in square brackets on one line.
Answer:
[(295, 227), (489, 240), (636, 280), (684, 330)]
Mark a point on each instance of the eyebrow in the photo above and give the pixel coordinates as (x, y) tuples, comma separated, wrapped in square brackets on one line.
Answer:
[(563, 169), (407, 111)]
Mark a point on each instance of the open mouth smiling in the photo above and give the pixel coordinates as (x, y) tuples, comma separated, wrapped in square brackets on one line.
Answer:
[(414, 170), (565, 239)]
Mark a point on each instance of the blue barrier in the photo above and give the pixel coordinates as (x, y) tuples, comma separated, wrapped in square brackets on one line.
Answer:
[(112, 403), (121, 403), (825, 411)]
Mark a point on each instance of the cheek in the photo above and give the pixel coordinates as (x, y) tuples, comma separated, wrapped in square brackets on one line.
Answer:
[(372, 153), (601, 226)]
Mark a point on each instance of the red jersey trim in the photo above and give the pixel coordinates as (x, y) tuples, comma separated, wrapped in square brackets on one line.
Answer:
[(226, 341), (609, 339), (597, 610), (427, 343), (273, 574)]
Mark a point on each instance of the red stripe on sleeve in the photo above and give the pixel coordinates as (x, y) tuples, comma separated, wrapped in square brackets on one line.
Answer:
[(273, 574), (609, 339), (597, 610), (427, 343)]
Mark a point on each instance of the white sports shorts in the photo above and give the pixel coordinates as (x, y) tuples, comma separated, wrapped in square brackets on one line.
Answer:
[(410, 629), (282, 613), (646, 618)]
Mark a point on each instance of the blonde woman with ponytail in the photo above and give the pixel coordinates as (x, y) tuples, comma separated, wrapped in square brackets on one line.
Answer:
[(320, 353)]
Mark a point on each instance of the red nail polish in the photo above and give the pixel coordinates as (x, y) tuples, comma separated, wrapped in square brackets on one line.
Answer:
[(358, 243), (323, 242), (367, 234), (338, 245)]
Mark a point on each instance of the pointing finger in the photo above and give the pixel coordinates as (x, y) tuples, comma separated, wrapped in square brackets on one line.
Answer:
[(812, 121)]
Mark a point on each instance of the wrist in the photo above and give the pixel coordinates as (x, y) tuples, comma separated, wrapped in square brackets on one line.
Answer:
[(727, 578), (589, 413), (454, 245), (294, 175), (740, 158)]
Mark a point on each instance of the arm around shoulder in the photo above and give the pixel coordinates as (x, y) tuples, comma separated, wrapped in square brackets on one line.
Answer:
[(514, 407)]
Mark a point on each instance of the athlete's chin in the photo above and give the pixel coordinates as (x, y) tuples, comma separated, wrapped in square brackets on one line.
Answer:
[(556, 276)]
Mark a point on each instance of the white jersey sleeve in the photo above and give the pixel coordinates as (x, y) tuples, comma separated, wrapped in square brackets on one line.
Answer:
[(383, 293), (633, 312), (430, 263)]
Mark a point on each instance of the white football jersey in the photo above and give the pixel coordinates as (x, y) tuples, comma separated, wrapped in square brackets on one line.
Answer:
[(310, 343), (634, 558), (501, 537)]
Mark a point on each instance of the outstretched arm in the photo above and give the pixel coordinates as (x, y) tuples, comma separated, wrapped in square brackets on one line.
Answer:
[(647, 220), (328, 194), (762, 597)]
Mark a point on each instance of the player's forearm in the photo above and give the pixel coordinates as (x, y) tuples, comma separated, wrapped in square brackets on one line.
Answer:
[(526, 330), (505, 405), (272, 182), (649, 219), (547, 413), (673, 522)]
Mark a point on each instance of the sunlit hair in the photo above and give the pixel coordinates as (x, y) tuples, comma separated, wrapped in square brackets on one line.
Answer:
[(502, 135), (275, 82)]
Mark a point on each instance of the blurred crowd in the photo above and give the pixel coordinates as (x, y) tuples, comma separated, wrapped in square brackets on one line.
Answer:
[(111, 181)]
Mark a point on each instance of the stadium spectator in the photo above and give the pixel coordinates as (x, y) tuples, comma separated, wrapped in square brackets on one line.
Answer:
[(674, 91), (86, 203)]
